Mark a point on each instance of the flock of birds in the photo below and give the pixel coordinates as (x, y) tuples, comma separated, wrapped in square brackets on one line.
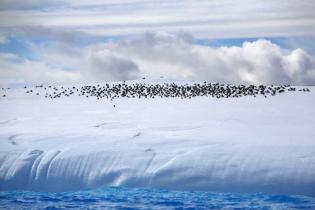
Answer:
[(166, 90)]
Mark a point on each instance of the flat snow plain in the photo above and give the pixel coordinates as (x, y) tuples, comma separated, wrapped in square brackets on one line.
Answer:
[(223, 145)]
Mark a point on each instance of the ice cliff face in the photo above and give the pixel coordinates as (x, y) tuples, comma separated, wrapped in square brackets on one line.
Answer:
[(227, 145)]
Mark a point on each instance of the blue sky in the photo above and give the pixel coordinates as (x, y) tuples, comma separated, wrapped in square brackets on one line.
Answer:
[(61, 41)]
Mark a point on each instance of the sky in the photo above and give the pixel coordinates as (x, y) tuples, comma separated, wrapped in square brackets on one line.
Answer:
[(228, 41)]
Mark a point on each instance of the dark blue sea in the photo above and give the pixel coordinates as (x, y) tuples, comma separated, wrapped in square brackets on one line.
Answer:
[(125, 198)]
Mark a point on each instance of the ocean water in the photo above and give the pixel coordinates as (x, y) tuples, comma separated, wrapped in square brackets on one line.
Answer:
[(126, 198)]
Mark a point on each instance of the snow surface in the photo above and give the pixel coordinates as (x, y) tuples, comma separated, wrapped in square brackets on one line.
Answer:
[(227, 145)]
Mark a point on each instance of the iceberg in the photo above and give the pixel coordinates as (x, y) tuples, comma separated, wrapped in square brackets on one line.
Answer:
[(241, 145)]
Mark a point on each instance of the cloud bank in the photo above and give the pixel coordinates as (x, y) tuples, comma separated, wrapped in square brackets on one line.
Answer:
[(78, 41), (204, 18), (105, 65), (153, 55), (19, 71)]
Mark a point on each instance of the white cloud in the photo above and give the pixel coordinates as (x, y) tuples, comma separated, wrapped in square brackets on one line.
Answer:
[(15, 70), (67, 23), (29, 4), (254, 62), (105, 65), (174, 56), (204, 19)]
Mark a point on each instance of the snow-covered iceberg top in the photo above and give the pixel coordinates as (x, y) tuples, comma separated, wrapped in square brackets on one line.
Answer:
[(233, 144)]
